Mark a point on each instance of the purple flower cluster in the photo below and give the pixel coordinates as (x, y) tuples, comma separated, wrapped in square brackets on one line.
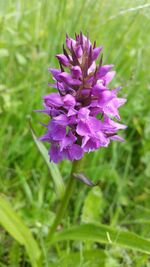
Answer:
[(83, 109)]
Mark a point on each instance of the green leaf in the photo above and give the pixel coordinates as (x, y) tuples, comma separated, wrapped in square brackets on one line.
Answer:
[(21, 59), (88, 258), (54, 171), (104, 234), (12, 223), (14, 256), (4, 52), (93, 206), (92, 209)]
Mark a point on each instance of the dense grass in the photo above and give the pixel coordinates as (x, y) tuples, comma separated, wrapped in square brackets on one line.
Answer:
[(32, 32)]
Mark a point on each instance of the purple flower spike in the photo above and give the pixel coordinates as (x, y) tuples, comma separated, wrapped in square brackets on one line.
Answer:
[(83, 96)]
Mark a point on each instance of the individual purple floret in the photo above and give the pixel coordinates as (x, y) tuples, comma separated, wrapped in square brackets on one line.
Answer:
[(83, 110)]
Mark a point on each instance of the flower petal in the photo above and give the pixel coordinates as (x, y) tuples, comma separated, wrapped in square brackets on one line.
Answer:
[(57, 132), (53, 100), (96, 52), (83, 129), (112, 107), (45, 137), (76, 72), (91, 145), (55, 73), (94, 124), (69, 100), (102, 70), (117, 138), (67, 78), (75, 152), (112, 126), (70, 42), (55, 154), (72, 112), (83, 113), (109, 76), (63, 59), (67, 141), (79, 51), (61, 120)]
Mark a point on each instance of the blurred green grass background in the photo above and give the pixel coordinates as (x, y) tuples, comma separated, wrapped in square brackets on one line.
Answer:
[(32, 32)]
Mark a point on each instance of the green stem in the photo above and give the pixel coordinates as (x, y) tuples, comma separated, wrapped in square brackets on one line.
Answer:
[(65, 200)]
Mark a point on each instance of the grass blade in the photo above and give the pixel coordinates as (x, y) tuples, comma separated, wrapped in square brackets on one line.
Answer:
[(104, 234), (11, 222)]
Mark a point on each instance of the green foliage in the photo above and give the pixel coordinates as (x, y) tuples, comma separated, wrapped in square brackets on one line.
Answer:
[(104, 234), (93, 205), (32, 32), (94, 258), (16, 228), (15, 255)]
